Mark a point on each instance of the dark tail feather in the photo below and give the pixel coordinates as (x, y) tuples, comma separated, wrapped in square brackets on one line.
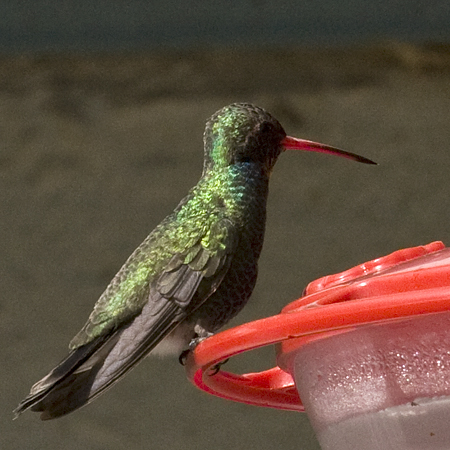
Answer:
[(89, 370), (63, 389)]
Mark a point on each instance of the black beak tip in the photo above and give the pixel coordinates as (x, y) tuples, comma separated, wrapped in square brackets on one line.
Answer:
[(367, 161)]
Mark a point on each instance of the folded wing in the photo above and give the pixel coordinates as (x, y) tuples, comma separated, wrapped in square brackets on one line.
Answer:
[(187, 281)]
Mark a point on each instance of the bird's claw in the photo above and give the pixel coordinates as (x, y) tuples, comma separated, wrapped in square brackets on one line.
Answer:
[(216, 368), (183, 357)]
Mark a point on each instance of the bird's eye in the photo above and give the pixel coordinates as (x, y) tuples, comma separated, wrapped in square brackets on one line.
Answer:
[(265, 127)]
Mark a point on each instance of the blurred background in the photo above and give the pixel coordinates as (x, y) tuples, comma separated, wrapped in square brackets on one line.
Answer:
[(102, 108)]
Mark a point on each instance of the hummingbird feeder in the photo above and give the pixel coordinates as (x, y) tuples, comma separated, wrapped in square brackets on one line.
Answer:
[(366, 353)]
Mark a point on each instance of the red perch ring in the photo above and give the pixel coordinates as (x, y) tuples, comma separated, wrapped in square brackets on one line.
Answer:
[(406, 283)]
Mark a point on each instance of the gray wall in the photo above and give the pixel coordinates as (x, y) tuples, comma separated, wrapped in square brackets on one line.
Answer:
[(110, 25)]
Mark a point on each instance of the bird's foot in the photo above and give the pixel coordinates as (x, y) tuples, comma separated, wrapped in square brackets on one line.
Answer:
[(214, 369), (200, 335)]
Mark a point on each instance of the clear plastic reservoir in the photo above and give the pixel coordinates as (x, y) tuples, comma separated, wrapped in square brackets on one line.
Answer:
[(382, 386)]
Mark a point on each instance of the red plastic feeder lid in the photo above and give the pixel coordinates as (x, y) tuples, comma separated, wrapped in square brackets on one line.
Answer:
[(405, 283)]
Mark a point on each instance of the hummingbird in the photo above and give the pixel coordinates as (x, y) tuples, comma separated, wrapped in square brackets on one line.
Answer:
[(193, 273)]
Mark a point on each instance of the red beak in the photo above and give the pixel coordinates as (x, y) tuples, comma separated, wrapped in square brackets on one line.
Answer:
[(291, 143)]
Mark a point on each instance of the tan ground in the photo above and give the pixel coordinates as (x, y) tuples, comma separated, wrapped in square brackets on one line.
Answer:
[(95, 150)]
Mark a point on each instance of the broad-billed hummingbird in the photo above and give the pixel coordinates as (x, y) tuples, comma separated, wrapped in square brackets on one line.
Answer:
[(191, 275)]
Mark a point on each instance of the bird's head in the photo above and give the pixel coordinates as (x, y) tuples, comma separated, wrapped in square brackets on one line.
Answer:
[(244, 133)]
